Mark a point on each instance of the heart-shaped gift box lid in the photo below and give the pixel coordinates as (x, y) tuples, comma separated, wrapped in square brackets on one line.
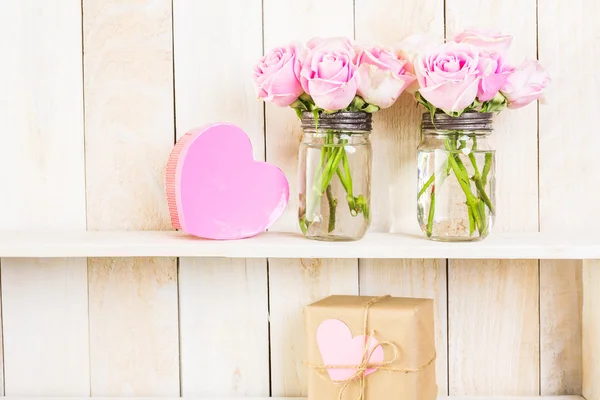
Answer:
[(216, 190)]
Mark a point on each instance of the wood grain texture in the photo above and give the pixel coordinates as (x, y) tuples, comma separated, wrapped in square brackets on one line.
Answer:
[(284, 22), (294, 284), (224, 327), (500, 331), (45, 316), (213, 81), (493, 333), (566, 32), (129, 134), (44, 302), (301, 398), (223, 302), (560, 327), (591, 330), (395, 139), (413, 278), (375, 245), (396, 133)]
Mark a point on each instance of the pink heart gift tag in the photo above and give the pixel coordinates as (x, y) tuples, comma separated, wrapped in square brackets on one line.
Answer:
[(338, 347), (216, 190)]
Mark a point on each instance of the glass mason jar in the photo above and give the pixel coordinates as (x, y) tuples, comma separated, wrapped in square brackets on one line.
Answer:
[(456, 177), (334, 171)]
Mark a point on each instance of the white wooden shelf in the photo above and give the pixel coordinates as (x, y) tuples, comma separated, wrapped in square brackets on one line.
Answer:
[(289, 398), (291, 245)]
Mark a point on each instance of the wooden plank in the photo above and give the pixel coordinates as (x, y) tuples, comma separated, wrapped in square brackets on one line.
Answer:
[(493, 332), (293, 284), (223, 303), (224, 327), (301, 398), (396, 132), (129, 134), (395, 139), (566, 31), (45, 327), (560, 327), (45, 324), (591, 330), (286, 22), (551, 246), (493, 306), (413, 278)]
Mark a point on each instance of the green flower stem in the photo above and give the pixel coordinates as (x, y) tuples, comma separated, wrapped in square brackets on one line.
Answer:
[(331, 167), (483, 230), (474, 164), (471, 221), (349, 189), (340, 175), (486, 168), (431, 212), (444, 166), (427, 184), (481, 190), (334, 161), (477, 201), (332, 206), (317, 189), (478, 179), (463, 180), (304, 224), (347, 172)]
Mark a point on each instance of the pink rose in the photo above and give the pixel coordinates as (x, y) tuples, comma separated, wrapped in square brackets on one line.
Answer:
[(329, 73), (382, 77), (491, 41), (409, 49), (334, 43), (448, 77), (525, 84), (493, 73), (277, 76)]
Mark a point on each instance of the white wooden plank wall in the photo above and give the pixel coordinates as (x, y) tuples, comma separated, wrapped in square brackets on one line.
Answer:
[(395, 139), (296, 283), (568, 166), (85, 137), (129, 132), (44, 302), (493, 308), (223, 303)]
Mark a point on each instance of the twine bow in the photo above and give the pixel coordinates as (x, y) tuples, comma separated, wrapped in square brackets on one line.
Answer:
[(365, 364)]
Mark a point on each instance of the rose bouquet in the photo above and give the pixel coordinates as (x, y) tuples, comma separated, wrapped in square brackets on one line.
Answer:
[(462, 84), (334, 85)]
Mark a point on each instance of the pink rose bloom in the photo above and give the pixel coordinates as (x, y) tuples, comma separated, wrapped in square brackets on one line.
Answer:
[(382, 77), (334, 43), (493, 73), (409, 49), (277, 76), (491, 41), (525, 84), (329, 74), (449, 77)]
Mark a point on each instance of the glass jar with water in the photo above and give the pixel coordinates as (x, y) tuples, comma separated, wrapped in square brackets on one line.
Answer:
[(456, 177)]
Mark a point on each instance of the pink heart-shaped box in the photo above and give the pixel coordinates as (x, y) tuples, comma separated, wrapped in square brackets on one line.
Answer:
[(338, 347), (216, 190)]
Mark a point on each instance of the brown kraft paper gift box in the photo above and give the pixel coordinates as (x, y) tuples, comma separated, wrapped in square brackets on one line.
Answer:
[(402, 324)]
